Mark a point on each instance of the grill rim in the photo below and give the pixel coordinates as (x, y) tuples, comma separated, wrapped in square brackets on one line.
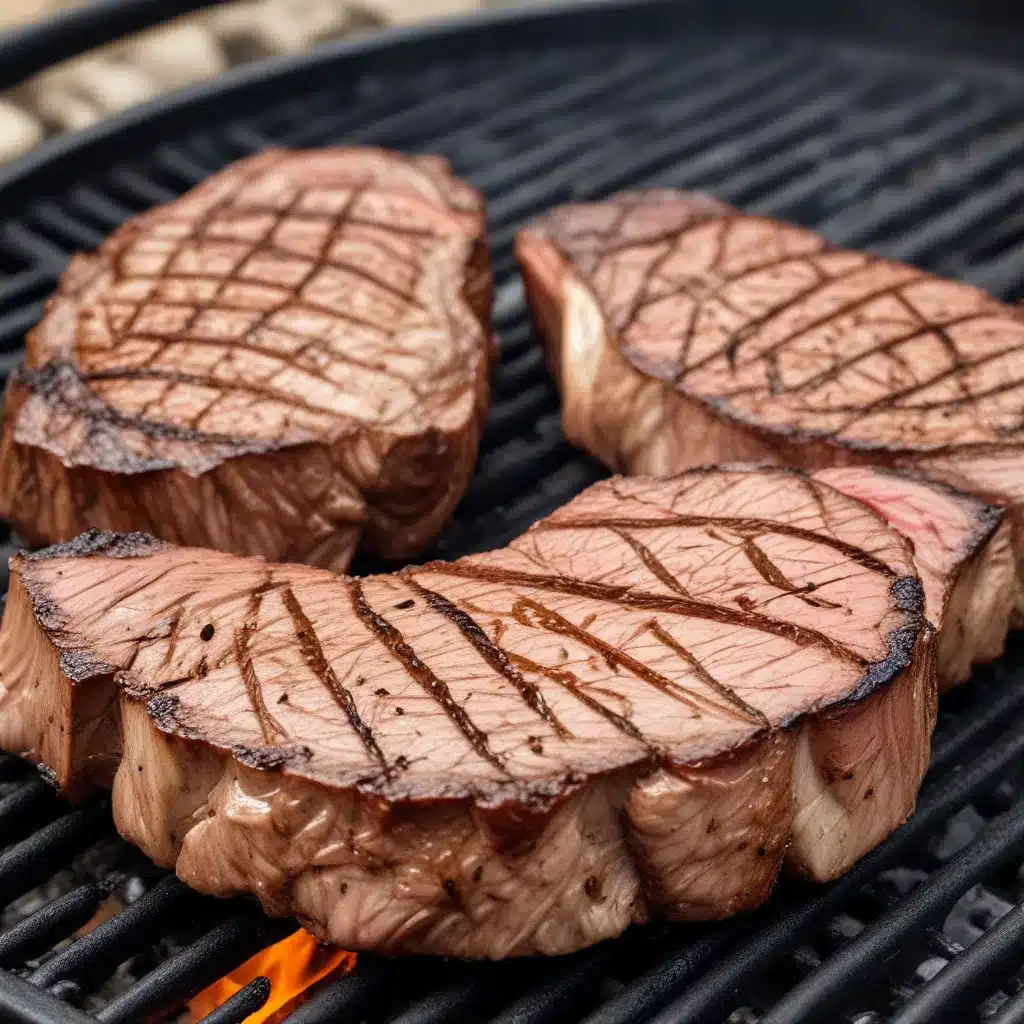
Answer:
[(957, 38)]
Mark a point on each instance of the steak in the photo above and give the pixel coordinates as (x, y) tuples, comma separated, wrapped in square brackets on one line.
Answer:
[(644, 706), (683, 332), (289, 360), (963, 553)]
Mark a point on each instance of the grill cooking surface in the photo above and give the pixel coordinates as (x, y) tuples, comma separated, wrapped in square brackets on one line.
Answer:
[(914, 158)]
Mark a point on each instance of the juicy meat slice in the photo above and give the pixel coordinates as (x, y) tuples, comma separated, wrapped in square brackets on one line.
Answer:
[(684, 332), (963, 552), (289, 360), (643, 706)]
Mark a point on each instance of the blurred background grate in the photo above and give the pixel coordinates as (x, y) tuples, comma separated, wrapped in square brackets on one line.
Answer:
[(914, 156)]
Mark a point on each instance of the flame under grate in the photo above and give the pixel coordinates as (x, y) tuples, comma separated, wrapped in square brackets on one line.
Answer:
[(914, 158)]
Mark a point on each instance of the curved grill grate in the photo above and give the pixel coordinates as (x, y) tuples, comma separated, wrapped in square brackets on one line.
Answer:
[(916, 158)]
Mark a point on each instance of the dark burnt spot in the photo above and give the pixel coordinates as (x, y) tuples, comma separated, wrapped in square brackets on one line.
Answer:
[(165, 710), (402, 605), (869, 792), (453, 891), (140, 767), (269, 758), (343, 888), (592, 887), (908, 594), (46, 611), (901, 644), (360, 680), (742, 847), (535, 744), (283, 699), (173, 836), (63, 388), (847, 776), (762, 852), (712, 826), (100, 542), (206, 633), (478, 872), (81, 665), (401, 762), (399, 711), (381, 692), (211, 812)]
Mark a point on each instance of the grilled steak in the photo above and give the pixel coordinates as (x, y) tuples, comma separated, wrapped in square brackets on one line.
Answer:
[(963, 552), (684, 332), (644, 706), (290, 359)]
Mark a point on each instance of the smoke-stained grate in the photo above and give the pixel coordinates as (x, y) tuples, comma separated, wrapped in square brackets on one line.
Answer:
[(917, 157)]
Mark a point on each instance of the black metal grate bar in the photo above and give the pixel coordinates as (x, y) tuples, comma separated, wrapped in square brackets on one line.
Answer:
[(181, 977), (820, 996), (35, 859), (913, 157), (243, 1003), (53, 923), (96, 954), (971, 975)]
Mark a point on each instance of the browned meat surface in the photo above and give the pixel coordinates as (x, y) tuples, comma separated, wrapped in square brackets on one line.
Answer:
[(644, 706), (684, 332), (963, 553), (289, 360)]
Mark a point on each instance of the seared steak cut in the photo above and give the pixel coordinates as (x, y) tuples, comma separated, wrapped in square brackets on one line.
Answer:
[(963, 552), (684, 332), (643, 706), (290, 359)]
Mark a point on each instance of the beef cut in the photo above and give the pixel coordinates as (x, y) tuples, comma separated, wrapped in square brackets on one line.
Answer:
[(644, 706), (290, 359), (683, 332)]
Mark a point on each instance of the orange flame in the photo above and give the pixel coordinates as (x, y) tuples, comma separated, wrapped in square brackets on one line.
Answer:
[(292, 966)]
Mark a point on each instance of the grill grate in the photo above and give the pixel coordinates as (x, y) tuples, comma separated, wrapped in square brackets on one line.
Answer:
[(915, 157)]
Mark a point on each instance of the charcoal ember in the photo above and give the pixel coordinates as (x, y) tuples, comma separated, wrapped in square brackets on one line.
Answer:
[(744, 1015), (927, 970), (974, 913), (95, 864), (901, 880), (958, 832)]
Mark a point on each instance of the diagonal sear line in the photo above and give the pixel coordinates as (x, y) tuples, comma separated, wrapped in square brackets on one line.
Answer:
[(316, 659), (569, 681), (651, 560), (270, 727), (494, 655), (668, 604), (727, 692), (743, 525), (393, 641), (553, 622)]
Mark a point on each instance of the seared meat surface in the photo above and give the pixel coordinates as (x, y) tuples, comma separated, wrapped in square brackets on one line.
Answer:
[(684, 332), (288, 361), (963, 552), (644, 706)]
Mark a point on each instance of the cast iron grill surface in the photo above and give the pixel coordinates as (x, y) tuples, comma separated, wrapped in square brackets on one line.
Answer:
[(916, 157)]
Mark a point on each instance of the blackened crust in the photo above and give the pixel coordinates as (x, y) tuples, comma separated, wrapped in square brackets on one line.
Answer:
[(63, 389), (98, 542)]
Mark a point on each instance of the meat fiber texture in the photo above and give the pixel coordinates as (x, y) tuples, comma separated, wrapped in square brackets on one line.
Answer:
[(645, 706), (683, 332), (289, 361)]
